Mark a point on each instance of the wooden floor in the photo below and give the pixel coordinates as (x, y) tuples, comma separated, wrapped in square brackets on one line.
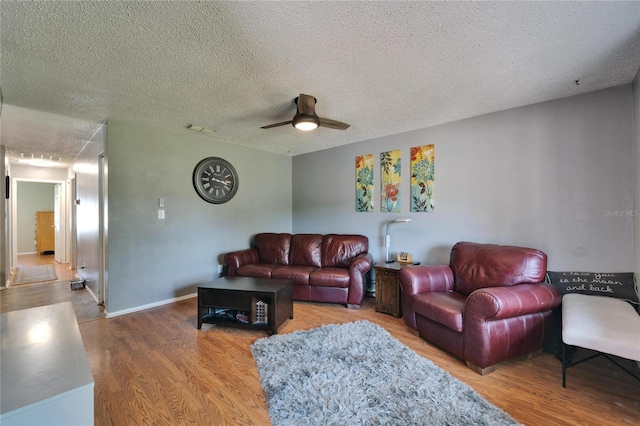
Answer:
[(31, 295), (155, 367)]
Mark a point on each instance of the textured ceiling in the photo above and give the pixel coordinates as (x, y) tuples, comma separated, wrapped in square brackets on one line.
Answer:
[(383, 67)]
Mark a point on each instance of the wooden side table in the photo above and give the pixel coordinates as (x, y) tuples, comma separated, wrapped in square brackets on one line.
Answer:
[(388, 291)]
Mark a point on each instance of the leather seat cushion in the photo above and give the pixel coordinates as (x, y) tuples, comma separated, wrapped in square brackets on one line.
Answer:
[(442, 307), (297, 274), (330, 277)]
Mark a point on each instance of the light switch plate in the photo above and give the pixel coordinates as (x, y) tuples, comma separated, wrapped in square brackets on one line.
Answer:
[(160, 214), (160, 202)]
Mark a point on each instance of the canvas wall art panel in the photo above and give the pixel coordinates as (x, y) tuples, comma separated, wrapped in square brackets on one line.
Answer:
[(390, 179), (364, 183), (422, 178)]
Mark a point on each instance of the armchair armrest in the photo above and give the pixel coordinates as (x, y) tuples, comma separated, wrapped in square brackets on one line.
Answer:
[(420, 279), (492, 332), (494, 303), (240, 258), (360, 265)]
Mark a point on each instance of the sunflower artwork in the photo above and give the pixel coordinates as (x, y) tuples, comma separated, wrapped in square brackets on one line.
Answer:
[(422, 178), (390, 178), (364, 183)]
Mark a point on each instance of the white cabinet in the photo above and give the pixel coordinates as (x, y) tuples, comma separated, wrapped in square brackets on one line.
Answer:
[(45, 373)]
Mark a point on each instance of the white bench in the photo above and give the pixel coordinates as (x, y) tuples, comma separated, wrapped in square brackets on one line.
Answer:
[(606, 325)]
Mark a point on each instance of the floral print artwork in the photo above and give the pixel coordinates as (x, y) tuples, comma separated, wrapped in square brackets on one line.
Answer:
[(364, 183), (422, 178), (390, 168)]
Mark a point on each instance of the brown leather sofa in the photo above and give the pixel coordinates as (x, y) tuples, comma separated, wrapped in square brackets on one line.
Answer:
[(324, 268), (488, 305)]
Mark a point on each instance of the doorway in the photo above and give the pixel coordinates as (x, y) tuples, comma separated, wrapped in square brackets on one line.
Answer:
[(34, 201)]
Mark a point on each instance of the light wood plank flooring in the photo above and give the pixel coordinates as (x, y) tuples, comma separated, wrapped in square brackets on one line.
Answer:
[(155, 367)]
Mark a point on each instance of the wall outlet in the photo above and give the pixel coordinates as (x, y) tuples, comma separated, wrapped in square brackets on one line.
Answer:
[(220, 268)]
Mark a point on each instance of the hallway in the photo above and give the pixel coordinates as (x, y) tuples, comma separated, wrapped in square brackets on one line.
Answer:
[(30, 295)]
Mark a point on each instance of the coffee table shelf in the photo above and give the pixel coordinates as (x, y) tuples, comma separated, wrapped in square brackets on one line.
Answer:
[(266, 303)]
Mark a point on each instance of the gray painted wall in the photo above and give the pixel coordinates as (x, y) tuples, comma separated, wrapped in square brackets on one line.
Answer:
[(153, 260), (88, 242), (553, 176), (32, 197)]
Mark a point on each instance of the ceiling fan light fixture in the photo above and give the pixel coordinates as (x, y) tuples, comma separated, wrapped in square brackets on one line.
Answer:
[(305, 122)]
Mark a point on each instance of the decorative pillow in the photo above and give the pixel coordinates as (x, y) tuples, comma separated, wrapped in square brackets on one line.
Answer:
[(620, 285)]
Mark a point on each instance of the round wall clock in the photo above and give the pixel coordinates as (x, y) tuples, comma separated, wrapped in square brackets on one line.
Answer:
[(215, 180)]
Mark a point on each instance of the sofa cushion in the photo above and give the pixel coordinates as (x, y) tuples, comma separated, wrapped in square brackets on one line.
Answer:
[(273, 248), (329, 277), (339, 250), (442, 307), (297, 274), (306, 250), (489, 265)]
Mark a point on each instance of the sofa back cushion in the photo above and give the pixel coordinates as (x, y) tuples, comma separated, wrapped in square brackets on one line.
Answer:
[(489, 265), (306, 250), (339, 250), (273, 248)]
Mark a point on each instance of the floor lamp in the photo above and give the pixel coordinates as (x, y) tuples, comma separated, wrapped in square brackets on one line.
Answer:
[(387, 237)]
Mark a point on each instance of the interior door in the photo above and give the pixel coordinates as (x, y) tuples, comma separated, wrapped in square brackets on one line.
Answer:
[(57, 202), (45, 234)]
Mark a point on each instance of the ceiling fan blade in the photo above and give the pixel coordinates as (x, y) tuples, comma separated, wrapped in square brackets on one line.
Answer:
[(276, 125), (333, 124), (306, 104)]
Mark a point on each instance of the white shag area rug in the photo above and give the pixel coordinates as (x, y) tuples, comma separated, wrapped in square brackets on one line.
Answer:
[(358, 374)]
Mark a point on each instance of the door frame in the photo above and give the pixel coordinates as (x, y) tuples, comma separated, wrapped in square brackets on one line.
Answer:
[(103, 226), (14, 214)]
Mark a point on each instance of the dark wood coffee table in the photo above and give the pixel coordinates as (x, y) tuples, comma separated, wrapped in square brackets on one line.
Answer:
[(258, 303)]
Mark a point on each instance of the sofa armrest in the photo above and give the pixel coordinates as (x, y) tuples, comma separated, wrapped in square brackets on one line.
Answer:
[(360, 265), (420, 279), (236, 259), (494, 303)]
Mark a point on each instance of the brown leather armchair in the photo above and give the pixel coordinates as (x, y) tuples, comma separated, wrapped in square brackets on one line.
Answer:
[(488, 305)]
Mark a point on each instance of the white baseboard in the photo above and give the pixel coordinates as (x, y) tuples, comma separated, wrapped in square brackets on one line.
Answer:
[(28, 252), (149, 306), (92, 294)]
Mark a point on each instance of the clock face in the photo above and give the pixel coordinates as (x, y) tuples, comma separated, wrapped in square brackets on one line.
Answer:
[(215, 180)]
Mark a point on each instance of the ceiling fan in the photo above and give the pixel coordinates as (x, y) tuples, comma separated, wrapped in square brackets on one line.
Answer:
[(306, 118)]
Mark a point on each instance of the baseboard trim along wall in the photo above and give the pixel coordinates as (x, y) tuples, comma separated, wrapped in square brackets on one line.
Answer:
[(92, 294), (149, 306)]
